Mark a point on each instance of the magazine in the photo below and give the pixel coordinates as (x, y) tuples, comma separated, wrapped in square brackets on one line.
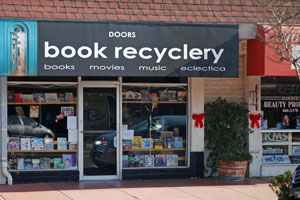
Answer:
[(172, 160), (14, 143), (34, 111), (62, 143), (160, 160), (67, 160), (25, 144), (149, 160)]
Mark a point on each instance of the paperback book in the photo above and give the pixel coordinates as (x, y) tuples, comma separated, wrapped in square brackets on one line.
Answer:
[(57, 163), (20, 163), (69, 97), (45, 163), (14, 143), (27, 98), (35, 163), (27, 163), (61, 97), (25, 144), (160, 160), (172, 160), (67, 160), (147, 143), (37, 143), (158, 143), (178, 142), (48, 144), (38, 97), (62, 143), (126, 144), (149, 160), (136, 143)]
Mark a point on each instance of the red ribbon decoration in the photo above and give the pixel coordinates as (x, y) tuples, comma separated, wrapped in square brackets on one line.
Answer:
[(255, 120), (198, 120)]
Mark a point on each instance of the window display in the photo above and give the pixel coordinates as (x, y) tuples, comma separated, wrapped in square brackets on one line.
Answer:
[(154, 126), (38, 133)]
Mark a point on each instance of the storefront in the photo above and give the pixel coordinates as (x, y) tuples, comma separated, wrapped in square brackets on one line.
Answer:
[(104, 101)]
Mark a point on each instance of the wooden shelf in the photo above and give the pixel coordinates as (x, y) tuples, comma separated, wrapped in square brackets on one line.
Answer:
[(43, 103), (174, 149), (41, 151), (151, 102)]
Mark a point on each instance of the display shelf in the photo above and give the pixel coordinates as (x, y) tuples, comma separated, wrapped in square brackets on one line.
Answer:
[(41, 151), (153, 102), (174, 149), (42, 103)]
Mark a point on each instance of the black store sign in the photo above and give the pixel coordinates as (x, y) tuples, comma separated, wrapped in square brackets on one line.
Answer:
[(275, 150), (132, 49)]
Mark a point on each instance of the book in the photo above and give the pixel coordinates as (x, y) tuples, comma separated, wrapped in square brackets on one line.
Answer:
[(48, 144), (25, 144), (149, 160), (57, 163), (45, 163), (160, 160), (126, 144), (10, 96), (20, 163), (139, 160), (51, 97), (172, 160), (178, 142), (67, 160), (27, 163), (145, 95), (62, 143), (14, 143), (136, 143), (153, 96), (131, 162), (69, 96), (170, 142), (147, 143), (172, 95), (158, 143), (35, 163), (34, 112), (18, 97), (38, 97), (163, 95), (181, 95), (27, 98), (125, 161), (61, 97), (37, 143)]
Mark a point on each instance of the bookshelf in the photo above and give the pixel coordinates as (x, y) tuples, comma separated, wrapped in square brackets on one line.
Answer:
[(153, 102), (42, 151), (173, 149), (42, 103)]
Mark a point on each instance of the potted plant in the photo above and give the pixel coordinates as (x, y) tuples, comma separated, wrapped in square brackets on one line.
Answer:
[(226, 131)]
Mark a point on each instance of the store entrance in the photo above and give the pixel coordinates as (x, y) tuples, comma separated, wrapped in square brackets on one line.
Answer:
[(99, 149)]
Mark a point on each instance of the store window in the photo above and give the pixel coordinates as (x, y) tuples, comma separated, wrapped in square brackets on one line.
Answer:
[(280, 125), (42, 127), (154, 126)]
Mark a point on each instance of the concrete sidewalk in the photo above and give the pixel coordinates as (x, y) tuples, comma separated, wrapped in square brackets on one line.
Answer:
[(210, 189)]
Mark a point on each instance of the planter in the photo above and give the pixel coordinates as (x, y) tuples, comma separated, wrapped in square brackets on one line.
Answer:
[(232, 171)]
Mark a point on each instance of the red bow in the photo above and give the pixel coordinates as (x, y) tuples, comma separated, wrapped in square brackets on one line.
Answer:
[(255, 120), (198, 120)]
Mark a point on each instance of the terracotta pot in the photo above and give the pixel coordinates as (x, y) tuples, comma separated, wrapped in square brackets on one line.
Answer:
[(233, 171)]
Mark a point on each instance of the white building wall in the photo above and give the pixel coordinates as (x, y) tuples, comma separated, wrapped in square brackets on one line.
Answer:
[(3, 123)]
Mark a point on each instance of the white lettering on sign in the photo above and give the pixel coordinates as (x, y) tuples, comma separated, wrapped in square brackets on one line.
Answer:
[(275, 137)]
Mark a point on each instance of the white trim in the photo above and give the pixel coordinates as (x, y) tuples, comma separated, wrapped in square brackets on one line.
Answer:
[(97, 178), (37, 82), (280, 130)]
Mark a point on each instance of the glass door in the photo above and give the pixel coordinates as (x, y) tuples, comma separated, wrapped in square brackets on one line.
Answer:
[(99, 135)]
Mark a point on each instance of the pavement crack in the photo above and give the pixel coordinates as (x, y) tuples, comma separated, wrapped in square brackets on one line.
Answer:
[(243, 193), (188, 193), (128, 194)]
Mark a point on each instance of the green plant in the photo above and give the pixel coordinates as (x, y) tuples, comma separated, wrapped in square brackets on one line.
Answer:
[(281, 184), (226, 129)]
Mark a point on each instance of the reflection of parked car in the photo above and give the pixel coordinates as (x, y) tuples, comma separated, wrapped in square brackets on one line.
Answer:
[(24, 126), (295, 185), (103, 151)]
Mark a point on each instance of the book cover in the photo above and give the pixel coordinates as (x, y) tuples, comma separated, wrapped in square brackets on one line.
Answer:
[(20, 163), (74, 160), (158, 143), (178, 142), (61, 97), (18, 97), (125, 161), (48, 144), (170, 142), (136, 143), (172, 160), (126, 144), (131, 162), (67, 160), (51, 97), (163, 95), (35, 163), (62, 143), (160, 160), (69, 96), (153, 96), (145, 95), (14, 143), (38, 97), (147, 143), (57, 163), (27, 163), (10, 96), (45, 163), (34, 112), (25, 144), (139, 160), (27, 98), (36, 143), (172, 95), (149, 160), (181, 95)]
